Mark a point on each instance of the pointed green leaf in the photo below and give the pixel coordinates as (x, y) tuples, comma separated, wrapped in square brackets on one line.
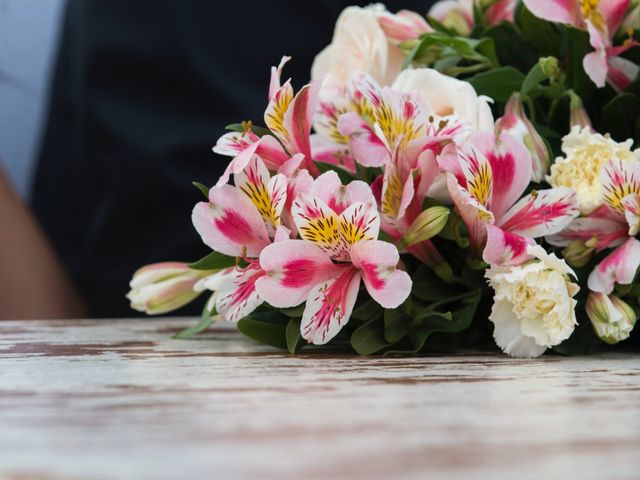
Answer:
[(294, 338), (369, 338), (213, 261)]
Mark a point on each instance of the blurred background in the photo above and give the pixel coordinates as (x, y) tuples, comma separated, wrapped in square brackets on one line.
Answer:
[(29, 33), (109, 110)]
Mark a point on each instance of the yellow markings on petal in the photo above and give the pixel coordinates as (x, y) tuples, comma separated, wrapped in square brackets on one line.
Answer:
[(262, 199), (590, 11), (480, 186), (392, 196), (331, 114), (357, 227), (323, 230), (614, 193), (394, 127), (274, 117)]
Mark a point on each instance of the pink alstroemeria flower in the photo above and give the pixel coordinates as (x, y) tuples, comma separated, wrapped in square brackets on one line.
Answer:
[(288, 117), (601, 18), (339, 226), (614, 224), (397, 131), (240, 221), (486, 178)]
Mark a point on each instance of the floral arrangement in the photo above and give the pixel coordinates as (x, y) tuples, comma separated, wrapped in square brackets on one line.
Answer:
[(441, 181)]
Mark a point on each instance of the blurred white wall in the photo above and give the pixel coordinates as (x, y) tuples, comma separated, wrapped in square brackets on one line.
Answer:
[(29, 31)]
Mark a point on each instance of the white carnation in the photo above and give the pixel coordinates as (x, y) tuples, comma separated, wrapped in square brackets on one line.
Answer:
[(533, 305)]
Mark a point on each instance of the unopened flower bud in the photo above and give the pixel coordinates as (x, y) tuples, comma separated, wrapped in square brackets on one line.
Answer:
[(516, 123), (426, 225), (403, 26), (578, 114), (550, 67), (163, 287), (579, 252), (612, 319)]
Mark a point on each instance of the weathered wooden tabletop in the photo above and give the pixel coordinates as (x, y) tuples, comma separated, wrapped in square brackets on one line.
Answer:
[(101, 399)]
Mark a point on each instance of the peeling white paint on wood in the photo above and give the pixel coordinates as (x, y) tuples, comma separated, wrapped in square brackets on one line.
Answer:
[(98, 399)]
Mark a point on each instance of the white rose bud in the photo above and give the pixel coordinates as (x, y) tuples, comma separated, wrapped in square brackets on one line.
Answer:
[(612, 318)]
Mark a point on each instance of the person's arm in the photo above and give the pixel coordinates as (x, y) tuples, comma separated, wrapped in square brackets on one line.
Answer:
[(33, 283)]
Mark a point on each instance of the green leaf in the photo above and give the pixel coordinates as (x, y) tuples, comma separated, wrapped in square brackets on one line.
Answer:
[(268, 327), (396, 325), (213, 261), (203, 188), (498, 83), (543, 35), (622, 117), (534, 78), (367, 311), (207, 319), (294, 338), (511, 48), (576, 46), (294, 312), (369, 338), (345, 177), (460, 320), (433, 46), (429, 287), (257, 129)]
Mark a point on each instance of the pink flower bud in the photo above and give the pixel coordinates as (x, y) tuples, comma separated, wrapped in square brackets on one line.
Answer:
[(515, 122), (404, 25), (163, 287)]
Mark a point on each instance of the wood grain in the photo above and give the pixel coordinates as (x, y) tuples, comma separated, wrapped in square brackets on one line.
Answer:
[(99, 399)]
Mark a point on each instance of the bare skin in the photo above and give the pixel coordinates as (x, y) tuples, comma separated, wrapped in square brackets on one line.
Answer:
[(33, 283)]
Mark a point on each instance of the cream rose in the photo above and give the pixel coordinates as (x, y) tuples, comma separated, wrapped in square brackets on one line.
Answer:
[(586, 153), (534, 307), (447, 96), (359, 45)]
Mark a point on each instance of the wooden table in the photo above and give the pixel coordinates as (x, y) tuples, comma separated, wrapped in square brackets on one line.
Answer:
[(98, 399)]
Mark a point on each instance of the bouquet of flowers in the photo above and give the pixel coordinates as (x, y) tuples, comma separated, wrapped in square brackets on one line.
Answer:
[(382, 207)]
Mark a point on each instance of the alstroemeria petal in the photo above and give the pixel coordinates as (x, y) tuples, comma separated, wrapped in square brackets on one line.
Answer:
[(318, 223), (474, 214), (268, 194), (631, 204), (595, 63), (619, 179), (229, 223), (510, 166), (542, 212), (365, 145), (276, 73), (608, 230), (274, 115), (298, 121), (293, 268), (237, 296), (329, 306), (359, 222), (556, 11), (377, 261), (232, 143), (613, 12), (505, 248), (620, 266)]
